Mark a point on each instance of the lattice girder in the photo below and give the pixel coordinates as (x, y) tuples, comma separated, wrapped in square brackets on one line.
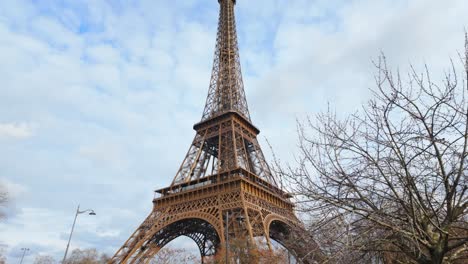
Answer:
[(225, 144), (182, 214), (226, 91)]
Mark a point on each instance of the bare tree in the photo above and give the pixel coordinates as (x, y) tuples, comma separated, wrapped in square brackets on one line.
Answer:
[(3, 199), (389, 183), (169, 255), (43, 259), (2, 257), (78, 256), (242, 250), (87, 256), (274, 256)]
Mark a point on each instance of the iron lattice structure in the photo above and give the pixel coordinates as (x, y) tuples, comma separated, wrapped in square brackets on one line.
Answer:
[(226, 92), (223, 177)]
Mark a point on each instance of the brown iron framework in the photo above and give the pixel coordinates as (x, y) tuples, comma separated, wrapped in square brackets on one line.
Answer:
[(223, 173)]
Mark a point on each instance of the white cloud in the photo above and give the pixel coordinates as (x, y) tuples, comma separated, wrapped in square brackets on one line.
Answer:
[(326, 56), (18, 130), (105, 153)]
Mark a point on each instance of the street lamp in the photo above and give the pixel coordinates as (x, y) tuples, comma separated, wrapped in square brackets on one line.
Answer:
[(24, 253), (240, 219), (227, 237), (91, 212)]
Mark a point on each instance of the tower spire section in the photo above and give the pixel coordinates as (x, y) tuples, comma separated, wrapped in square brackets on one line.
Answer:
[(226, 140), (226, 92)]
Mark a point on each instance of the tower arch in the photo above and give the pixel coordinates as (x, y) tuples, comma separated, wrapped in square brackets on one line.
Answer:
[(295, 238), (201, 231), (279, 230)]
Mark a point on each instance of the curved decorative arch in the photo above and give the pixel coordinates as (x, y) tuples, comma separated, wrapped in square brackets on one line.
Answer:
[(281, 230), (271, 217), (197, 227), (294, 238), (212, 220)]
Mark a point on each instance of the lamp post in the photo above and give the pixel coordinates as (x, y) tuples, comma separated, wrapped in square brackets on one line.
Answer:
[(227, 237), (91, 212), (240, 219), (24, 253)]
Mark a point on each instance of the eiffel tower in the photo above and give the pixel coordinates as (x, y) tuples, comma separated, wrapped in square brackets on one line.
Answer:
[(224, 189)]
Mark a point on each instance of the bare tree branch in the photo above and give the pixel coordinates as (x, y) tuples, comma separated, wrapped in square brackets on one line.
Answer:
[(389, 183)]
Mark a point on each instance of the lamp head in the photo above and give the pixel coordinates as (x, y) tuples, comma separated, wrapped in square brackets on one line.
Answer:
[(240, 219), (92, 212)]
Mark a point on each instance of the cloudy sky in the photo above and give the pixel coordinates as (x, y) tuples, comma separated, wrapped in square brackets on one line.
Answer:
[(98, 98)]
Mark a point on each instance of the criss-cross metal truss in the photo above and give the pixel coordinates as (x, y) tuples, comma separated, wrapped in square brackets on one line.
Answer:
[(223, 178), (222, 144), (226, 92)]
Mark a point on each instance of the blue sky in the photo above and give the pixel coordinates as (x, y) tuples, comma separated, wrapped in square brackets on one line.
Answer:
[(98, 98)]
